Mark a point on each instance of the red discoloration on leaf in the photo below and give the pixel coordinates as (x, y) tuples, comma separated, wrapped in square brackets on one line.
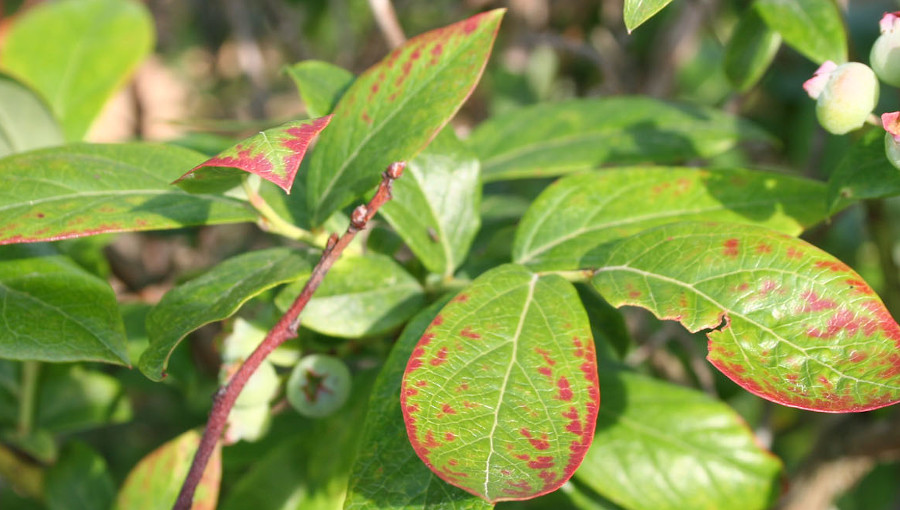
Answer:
[(438, 320), (856, 357), (634, 294), (730, 248), (546, 355), (833, 265), (763, 248), (859, 286), (471, 24), (448, 409), (565, 392), (468, 333), (794, 253), (538, 444), (816, 304), (430, 442), (522, 456), (461, 298), (449, 436), (545, 371), (439, 358), (579, 347), (274, 154), (470, 405), (824, 381), (421, 383), (544, 462)]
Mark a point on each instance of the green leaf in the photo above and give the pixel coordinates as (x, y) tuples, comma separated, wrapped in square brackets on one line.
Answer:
[(387, 473), (81, 190), (575, 215), (812, 27), (274, 154), (73, 398), (153, 484), (214, 296), (79, 480), (636, 12), (500, 395), (435, 205), (320, 84), (750, 50), (787, 321), (301, 474), (864, 172), (360, 296), (55, 311), (95, 46), (25, 121), (580, 134), (659, 446), (395, 108)]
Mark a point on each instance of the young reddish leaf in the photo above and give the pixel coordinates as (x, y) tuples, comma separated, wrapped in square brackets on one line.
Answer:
[(82, 190), (500, 395), (395, 108), (273, 154), (787, 321), (154, 482)]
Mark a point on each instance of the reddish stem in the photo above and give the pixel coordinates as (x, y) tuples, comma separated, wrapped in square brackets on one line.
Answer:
[(285, 329)]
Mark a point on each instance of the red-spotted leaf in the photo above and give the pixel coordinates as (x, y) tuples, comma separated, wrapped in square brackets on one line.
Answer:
[(500, 395), (395, 108), (273, 154), (787, 321), (81, 190)]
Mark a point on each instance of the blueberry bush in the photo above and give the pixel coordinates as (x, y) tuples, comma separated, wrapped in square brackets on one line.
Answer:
[(479, 266)]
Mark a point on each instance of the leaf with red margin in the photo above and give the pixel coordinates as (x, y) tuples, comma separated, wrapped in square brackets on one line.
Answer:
[(395, 108), (500, 395), (274, 154), (789, 322), (153, 484), (82, 190)]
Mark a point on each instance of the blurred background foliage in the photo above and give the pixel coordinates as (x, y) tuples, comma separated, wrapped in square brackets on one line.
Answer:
[(217, 74)]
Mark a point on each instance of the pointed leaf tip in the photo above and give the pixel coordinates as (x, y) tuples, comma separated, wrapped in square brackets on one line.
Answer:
[(274, 154)]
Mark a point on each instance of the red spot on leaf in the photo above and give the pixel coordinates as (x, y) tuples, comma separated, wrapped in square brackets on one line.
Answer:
[(542, 463), (426, 339), (421, 383), (447, 409), (824, 381), (468, 333), (430, 442), (366, 118), (763, 248), (832, 265), (438, 320), (794, 253), (461, 298), (439, 358), (816, 304), (449, 436), (565, 392), (731, 248), (470, 405), (546, 355), (859, 286), (522, 456), (538, 444), (545, 371), (634, 294), (857, 356), (471, 24)]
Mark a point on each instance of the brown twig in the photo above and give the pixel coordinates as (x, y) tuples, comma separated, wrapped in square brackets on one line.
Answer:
[(386, 18), (285, 329)]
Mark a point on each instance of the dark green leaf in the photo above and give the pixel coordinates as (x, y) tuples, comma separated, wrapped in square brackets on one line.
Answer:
[(578, 213), (153, 484), (55, 311), (435, 205), (320, 84), (360, 296), (659, 446), (274, 155), (812, 27), (77, 53), (750, 50), (25, 121), (214, 296), (500, 395), (864, 172), (79, 480), (636, 12), (580, 134), (73, 398), (786, 321), (395, 108), (81, 190), (387, 473)]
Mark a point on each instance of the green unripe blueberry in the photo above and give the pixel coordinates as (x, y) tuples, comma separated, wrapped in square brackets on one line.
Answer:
[(247, 423), (319, 385), (260, 388), (845, 95), (885, 55)]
